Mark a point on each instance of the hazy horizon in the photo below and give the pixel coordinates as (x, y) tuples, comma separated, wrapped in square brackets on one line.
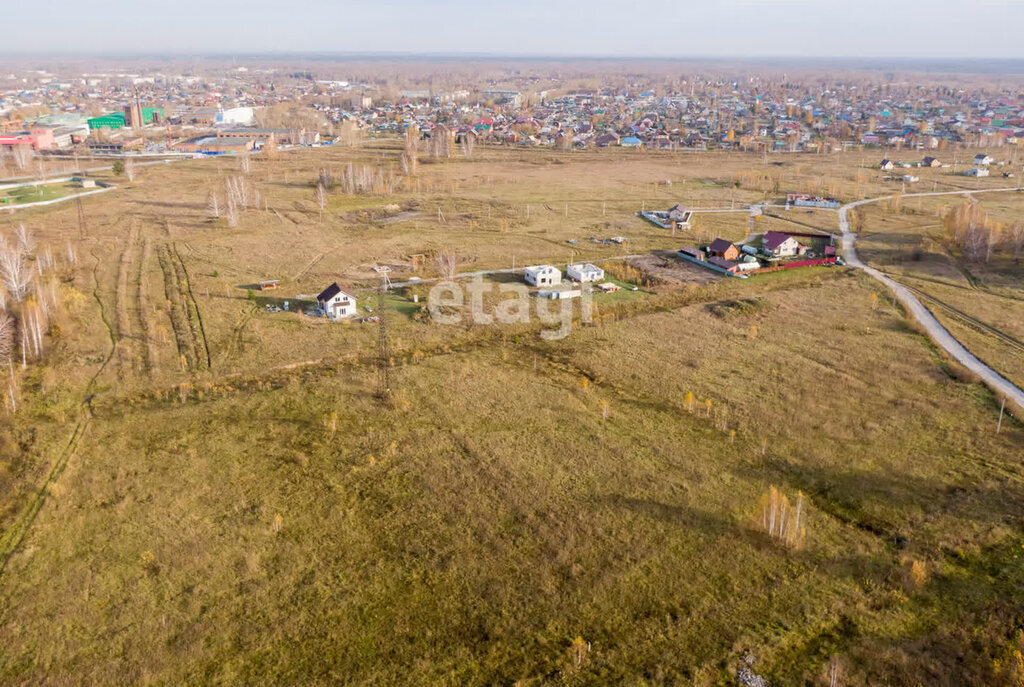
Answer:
[(660, 29)]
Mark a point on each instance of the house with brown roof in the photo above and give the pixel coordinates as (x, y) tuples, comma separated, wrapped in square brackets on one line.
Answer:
[(720, 248)]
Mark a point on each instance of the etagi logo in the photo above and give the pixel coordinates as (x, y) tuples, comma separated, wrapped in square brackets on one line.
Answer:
[(448, 299)]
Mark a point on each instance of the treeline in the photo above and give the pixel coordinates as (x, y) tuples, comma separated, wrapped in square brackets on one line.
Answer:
[(29, 301), (969, 228)]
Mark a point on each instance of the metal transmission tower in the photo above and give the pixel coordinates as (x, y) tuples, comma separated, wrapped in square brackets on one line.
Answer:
[(383, 344)]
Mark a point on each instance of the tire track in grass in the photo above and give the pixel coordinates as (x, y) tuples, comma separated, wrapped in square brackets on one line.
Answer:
[(177, 313), (195, 306), (308, 267)]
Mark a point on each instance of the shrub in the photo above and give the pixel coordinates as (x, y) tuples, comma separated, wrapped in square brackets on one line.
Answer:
[(914, 575)]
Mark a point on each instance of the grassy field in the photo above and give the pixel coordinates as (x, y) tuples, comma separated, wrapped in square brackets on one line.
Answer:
[(200, 491), (35, 194)]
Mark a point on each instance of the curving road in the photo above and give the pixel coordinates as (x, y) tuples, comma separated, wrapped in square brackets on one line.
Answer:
[(938, 333)]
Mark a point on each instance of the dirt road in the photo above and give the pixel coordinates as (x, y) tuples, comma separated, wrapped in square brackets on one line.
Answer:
[(936, 331)]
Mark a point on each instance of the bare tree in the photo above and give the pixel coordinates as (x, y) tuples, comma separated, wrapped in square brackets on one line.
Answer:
[(6, 338), (246, 163), (325, 178), (232, 211), (22, 155), (321, 199), (468, 144), (212, 206), (1017, 240), (781, 520), (15, 271), (129, 169), (446, 263), (410, 164), (26, 242)]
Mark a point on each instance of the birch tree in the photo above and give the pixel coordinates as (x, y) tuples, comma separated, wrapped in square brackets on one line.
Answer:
[(213, 206), (321, 199), (22, 155), (15, 271)]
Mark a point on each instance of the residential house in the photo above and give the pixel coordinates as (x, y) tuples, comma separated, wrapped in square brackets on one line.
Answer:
[(931, 162), (542, 275), (886, 164), (584, 272), (781, 245), (678, 213), (976, 172), (335, 303), (720, 248), (981, 160)]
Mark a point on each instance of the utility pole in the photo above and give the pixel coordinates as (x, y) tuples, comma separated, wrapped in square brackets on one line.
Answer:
[(1002, 408), (383, 347)]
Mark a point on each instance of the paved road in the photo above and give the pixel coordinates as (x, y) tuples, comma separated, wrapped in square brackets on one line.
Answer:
[(943, 338)]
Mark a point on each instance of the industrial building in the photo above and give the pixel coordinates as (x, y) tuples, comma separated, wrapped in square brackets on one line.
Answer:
[(118, 120)]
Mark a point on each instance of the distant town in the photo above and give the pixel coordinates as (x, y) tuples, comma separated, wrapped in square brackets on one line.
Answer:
[(230, 109)]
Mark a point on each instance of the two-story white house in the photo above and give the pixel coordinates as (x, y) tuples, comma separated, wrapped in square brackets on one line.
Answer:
[(780, 245), (335, 303), (542, 275)]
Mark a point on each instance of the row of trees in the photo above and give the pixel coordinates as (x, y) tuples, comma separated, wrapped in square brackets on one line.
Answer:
[(239, 195), (28, 300), (20, 155)]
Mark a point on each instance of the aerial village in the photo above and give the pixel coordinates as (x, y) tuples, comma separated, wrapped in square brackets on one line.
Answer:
[(52, 114), (222, 110)]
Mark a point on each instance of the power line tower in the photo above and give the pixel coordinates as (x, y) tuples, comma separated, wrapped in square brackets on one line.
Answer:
[(383, 344)]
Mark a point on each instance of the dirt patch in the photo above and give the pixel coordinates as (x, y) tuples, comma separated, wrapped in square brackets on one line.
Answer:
[(672, 270), (403, 216)]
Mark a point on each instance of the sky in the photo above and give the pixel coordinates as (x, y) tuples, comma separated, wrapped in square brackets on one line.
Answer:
[(613, 28)]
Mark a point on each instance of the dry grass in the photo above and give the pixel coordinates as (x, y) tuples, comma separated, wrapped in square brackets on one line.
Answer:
[(266, 519)]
